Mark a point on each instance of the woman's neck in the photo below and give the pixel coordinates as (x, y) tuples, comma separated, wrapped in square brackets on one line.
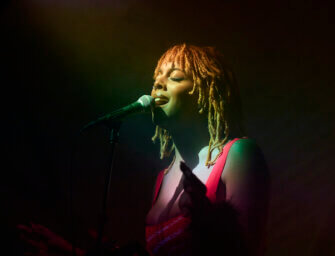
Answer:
[(189, 141)]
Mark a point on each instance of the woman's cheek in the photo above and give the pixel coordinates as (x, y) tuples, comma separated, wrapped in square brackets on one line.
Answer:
[(171, 108)]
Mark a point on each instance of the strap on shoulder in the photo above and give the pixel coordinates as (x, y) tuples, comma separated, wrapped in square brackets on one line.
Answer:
[(159, 181), (215, 176)]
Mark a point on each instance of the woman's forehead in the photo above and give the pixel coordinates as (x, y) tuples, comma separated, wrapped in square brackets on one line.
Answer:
[(168, 65)]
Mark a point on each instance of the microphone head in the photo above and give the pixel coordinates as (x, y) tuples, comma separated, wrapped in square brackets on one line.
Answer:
[(146, 101)]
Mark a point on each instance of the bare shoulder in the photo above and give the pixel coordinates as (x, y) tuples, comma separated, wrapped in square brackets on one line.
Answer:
[(247, 184), (245, 157), (245, 149)]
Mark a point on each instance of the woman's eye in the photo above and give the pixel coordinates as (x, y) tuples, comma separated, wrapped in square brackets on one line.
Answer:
[(177, 79)]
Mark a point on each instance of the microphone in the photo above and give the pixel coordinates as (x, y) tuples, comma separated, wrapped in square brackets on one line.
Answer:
[(143, 104)]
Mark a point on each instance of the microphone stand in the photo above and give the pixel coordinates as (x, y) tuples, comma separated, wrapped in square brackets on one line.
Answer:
[(114, 128)]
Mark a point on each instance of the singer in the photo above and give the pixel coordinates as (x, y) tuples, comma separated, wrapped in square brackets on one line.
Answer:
[(212, 199)]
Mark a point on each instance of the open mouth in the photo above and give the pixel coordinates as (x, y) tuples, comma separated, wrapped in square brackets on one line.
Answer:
[(161, 101)]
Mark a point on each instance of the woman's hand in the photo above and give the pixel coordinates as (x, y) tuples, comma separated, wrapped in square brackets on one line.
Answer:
[(45, 242), (193, 201), (214, 226)]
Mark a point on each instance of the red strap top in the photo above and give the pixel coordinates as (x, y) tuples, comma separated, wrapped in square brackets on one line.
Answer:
[(171, 237)]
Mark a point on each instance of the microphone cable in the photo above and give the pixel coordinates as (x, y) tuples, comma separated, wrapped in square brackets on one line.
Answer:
[(74, 148)]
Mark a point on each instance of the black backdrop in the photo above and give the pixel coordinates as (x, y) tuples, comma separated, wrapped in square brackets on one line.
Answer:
[(67, 62)]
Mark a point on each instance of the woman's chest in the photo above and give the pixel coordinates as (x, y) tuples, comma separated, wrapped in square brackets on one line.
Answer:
[(167, 204)]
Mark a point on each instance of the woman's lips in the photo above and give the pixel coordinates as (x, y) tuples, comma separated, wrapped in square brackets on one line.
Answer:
[(161, 101)]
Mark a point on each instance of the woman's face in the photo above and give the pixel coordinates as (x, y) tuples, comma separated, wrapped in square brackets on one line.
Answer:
[(171, 92)]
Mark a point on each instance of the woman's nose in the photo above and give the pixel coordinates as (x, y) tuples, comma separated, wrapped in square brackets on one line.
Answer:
[(160, 83), (159, 86)]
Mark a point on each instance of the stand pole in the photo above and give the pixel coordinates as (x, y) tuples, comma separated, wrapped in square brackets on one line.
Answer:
[(114, 129)]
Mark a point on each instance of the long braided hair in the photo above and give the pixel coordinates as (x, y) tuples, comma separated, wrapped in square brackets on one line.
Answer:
[(218, 97)]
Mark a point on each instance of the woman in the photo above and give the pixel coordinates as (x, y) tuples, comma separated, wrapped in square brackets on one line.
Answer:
[(212, 199), (198, 117)]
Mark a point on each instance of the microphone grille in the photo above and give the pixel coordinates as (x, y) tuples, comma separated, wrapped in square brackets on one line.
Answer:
[(146, 101)]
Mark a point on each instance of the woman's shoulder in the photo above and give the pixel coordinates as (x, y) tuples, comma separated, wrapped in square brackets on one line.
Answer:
[(245, 156), (245, 148)]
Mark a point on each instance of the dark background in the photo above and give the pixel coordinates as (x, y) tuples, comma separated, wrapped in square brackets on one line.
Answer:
[(65, 63)]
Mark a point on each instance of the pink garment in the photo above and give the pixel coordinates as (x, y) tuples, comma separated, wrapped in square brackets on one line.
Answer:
[(172, 237)]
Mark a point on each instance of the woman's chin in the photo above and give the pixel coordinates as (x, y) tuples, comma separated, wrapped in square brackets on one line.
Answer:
[(159, 117)]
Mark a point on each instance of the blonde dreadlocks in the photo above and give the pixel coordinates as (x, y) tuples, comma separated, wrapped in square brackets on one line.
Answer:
[(215, 86)]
